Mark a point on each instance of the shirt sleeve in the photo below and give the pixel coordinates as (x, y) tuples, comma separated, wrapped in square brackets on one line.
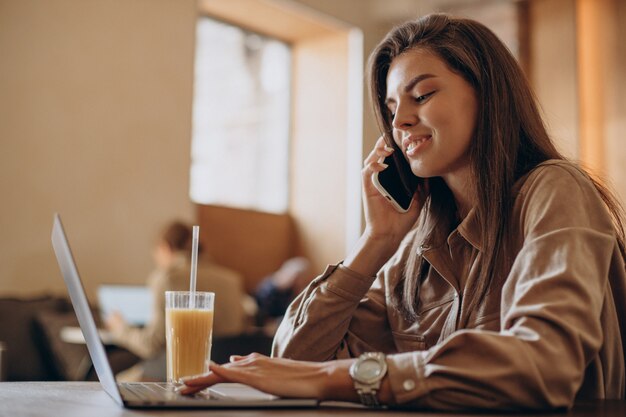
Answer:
[(148, 341), (552, 303), (340, 314)]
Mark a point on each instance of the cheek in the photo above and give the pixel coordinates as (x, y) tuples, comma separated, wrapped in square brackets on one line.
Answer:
[(455, 121)]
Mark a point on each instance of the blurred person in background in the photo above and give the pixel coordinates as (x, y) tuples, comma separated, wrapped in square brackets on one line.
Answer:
[(172, 257)]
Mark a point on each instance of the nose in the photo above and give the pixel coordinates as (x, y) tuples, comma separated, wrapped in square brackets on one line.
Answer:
[(404, 118)]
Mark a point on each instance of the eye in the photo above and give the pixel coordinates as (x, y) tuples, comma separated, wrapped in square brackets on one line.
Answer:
[(424, 97)]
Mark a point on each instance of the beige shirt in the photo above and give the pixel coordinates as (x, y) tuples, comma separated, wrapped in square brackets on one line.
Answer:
[(549, 336), (229, 318)]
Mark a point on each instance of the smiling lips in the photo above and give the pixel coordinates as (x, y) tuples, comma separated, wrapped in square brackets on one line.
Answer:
[(413, 144)]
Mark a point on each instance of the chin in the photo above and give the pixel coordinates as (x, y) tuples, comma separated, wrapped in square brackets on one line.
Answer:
[(420, 170)]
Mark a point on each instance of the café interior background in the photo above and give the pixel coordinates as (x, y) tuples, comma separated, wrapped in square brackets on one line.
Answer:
[(96, 110)]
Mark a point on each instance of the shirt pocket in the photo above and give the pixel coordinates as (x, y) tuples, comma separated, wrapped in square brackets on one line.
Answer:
[(436, 297), (432, 318), (424, 332)]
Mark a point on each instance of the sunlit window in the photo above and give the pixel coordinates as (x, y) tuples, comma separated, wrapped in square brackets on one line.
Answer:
[(240, 139)]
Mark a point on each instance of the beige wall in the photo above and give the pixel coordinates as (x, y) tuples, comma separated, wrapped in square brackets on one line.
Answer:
[(319, 146), (552, 68), (578, 69), (615, 150), (602, 84), (95, 108), (366, 15)]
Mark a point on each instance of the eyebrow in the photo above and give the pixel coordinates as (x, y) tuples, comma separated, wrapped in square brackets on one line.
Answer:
[(414, 81)]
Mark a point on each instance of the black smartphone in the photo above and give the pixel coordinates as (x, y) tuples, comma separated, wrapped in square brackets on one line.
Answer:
[(391, 184)]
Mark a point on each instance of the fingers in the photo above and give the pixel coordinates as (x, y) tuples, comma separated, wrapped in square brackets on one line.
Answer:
[(375, 160), (227, 375), (185, 390), (194, 385), (205, 380), (237, 358), (218, 374), (242, 369)]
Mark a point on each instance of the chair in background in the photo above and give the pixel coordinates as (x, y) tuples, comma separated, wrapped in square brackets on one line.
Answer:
[(224, 347)]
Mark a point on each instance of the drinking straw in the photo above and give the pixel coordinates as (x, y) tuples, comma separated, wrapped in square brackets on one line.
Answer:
[(194, 267)]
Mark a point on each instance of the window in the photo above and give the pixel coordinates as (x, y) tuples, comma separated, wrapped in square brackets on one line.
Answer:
[(240, 138)]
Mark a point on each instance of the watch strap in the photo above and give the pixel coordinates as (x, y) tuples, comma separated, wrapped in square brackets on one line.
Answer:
[(369, 398)]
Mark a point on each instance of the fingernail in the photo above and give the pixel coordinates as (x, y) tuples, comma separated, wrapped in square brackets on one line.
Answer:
[(388, 148), (381, 160), (383, 165)]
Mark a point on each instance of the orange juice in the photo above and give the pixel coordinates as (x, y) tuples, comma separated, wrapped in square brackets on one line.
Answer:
[(188, 338)]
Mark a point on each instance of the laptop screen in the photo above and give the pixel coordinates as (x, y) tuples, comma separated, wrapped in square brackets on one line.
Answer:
[(132, 302)]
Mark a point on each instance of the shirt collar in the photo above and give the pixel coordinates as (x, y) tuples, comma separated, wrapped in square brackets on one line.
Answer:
[(470, 229)]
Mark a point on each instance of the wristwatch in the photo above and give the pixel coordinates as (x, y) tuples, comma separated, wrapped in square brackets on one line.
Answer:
[(367, 373)]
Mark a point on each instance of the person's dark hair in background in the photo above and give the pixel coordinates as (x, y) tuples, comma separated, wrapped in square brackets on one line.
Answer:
[(178, 235)]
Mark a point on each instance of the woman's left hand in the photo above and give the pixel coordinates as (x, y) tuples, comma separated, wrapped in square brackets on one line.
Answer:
[(281, 377)]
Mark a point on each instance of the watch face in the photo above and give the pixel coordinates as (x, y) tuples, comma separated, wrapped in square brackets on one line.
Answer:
[(369, 370)]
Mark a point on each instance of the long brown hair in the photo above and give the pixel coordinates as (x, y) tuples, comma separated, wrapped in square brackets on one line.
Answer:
[(510, 138)]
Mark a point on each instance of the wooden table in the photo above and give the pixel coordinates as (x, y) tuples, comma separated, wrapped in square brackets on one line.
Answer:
[(68, 399)]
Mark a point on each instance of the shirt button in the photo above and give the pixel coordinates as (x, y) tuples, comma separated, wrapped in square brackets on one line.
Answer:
[(408, 384)]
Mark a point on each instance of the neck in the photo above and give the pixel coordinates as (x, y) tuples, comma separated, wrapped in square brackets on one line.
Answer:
[(462, 190)]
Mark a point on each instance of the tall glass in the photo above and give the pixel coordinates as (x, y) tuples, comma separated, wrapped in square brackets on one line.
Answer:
[(188, 333)]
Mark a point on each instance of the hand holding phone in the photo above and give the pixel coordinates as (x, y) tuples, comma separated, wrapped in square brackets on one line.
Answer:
[(390, 184)]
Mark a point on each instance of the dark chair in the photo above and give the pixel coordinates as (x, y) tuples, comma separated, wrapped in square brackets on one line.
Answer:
[(25, 342), (243, 344)]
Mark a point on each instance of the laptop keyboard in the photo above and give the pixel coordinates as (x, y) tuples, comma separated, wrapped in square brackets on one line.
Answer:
[(152, 391)]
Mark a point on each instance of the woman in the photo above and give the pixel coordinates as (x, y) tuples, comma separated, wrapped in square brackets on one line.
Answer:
[(503, 286)]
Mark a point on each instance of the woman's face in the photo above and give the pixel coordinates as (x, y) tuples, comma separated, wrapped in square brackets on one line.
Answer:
[(434, 114)]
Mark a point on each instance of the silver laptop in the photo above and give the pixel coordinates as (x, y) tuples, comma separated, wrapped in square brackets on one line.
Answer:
[(150, 394)]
